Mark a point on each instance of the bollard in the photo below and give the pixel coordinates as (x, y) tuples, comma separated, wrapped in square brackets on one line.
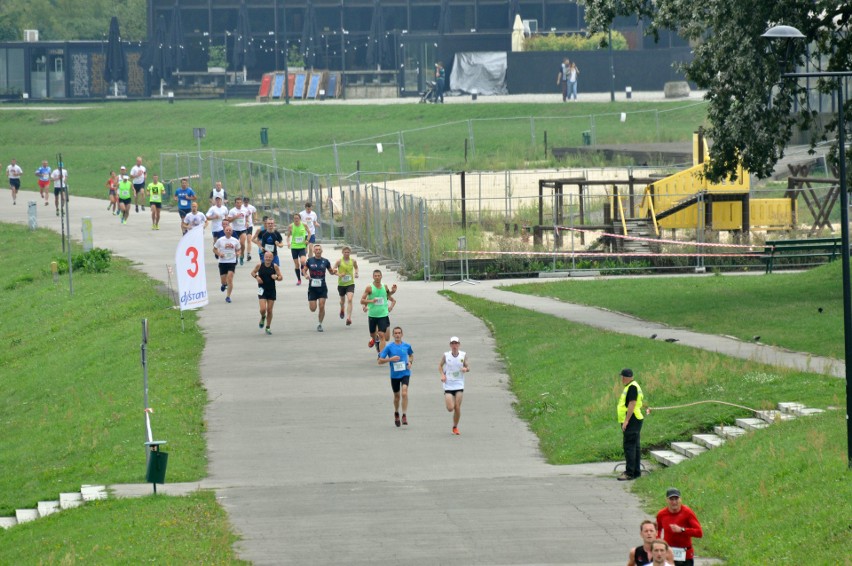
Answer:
[(628, 91), (54, 268), (88, 236), (32, 210), (264, 136)]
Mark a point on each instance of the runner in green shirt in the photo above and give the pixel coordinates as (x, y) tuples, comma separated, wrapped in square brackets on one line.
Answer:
[(155, 200), (297, 241), (124, 189)]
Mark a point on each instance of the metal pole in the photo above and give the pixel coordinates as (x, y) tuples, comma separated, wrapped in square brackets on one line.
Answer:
[(144, 349), (611, 69), (847, 292)]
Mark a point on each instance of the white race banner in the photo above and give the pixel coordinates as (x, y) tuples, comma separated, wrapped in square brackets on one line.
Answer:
[(191, 277)]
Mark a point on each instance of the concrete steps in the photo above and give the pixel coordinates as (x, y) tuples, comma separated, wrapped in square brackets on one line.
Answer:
[(701, 443), (65, 501)]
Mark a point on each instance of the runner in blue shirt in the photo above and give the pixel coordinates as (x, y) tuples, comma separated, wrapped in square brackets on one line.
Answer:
[(184, 197), (400, 356)]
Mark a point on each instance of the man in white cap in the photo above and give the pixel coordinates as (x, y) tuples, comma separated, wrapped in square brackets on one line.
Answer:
[(452, 367)]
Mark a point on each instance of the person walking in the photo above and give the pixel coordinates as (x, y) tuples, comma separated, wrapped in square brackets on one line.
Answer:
[(678, 525), (297, 241), (156, 190), (440, 82), (60, 185), (629, 411), (266, 274), (452, 367), (400, 356), (641, 555), (562, 78), (43, 176), (124, 194), (226, 249), (347, 272), (139, 174), (573, 72), (314, 270), (378, 302), (14, 172)]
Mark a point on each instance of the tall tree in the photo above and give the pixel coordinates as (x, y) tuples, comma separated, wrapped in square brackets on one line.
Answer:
[(750, 116), (72, 19)]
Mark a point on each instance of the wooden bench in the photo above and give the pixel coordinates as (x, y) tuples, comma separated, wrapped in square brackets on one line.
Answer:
[(810, 248)]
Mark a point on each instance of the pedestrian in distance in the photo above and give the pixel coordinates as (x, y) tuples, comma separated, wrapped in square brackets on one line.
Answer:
[(562, 78), (139, 175), (400, 356), (677, 524), (573, 73), (347, 272), (629, 412), (453, 366), (440, 82), (641, 555), (297, 241), (125, 187), (184, 197), (226, 250), (314, 270), (378, 302), (266, 274), (43, 176), (156, 190), (59, 176), (14, 172), (218, 216)]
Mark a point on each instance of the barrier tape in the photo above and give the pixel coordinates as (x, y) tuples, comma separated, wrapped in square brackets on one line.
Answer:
[(601, 254), (661, 241)]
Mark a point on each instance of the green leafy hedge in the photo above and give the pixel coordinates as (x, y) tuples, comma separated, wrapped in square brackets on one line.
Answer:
[(94, 261), (574, 42)]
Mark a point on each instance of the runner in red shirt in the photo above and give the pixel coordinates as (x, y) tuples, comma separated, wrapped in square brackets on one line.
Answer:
[(678, 525)]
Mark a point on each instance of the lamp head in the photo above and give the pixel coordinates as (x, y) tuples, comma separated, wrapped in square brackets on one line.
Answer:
[(785, 42)]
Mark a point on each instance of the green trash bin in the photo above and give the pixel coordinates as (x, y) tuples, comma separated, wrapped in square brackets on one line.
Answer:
[(156, 470), (264, 136), (587, 138)]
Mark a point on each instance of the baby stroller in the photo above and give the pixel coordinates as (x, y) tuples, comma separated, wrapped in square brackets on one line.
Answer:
[(429, 94)]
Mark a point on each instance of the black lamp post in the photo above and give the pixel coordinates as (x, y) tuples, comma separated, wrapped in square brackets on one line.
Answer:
[(787, 35)]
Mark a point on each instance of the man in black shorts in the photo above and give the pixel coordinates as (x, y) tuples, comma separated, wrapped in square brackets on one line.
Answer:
[(226, 250), (315, 269), (266, 273)]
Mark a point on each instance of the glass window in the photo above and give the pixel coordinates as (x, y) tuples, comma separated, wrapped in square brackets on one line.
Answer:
[(15, 70), (425, 17)]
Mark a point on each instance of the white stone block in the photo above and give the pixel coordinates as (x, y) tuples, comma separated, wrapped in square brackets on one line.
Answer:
[(93, 492), (790, 407), (667, 457), (808, 411), (70, 500), (26, 515), (6, 522), (774, 416), (708, 440), (729, 432), (752, 423), (688, 449), (46, 508)]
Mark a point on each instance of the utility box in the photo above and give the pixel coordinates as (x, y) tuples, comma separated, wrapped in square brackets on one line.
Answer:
[(155, 471), (264, 136)]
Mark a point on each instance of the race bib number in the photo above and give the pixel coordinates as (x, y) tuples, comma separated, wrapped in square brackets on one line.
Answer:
[(346, 279), (299, 240), (455, 374), (379, 301), (316, 282), (184, 202), (260, 291), (398, 366), (269, 248), (679, 553)]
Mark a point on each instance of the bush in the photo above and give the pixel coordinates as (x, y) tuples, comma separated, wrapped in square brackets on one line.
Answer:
[(94, 261), (574, 42)]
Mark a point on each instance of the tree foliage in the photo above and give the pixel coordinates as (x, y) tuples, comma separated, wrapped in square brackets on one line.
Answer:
[(59, 20), (574, 42), (751, 108)]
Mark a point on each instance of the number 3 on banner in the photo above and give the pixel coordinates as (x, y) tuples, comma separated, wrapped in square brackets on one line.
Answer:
[(192, 253)]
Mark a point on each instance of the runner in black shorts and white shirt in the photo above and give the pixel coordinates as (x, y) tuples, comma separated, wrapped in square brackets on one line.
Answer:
[(453, 366), (226, 249), (315, 269), (139, 174), (237, 218), (217, 215)]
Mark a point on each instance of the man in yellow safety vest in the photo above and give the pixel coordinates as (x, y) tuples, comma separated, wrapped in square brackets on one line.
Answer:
[(629, 411)]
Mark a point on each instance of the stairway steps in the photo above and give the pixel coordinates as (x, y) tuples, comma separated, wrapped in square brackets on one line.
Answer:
[(729, 432), (93, 492), (667, 457), (751, 424), (70, 500), (46, 508), (708, 440), (26, 515), (773, 416), (790, 408), (688, 449), (6, 522)]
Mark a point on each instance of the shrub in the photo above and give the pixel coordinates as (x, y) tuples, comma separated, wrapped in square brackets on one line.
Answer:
[(574, 42), (94, 261)]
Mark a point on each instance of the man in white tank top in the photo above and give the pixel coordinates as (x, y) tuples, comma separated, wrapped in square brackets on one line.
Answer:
[(453, 366)]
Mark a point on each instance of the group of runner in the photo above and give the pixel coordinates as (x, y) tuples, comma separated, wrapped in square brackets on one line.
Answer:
[(45, 176)]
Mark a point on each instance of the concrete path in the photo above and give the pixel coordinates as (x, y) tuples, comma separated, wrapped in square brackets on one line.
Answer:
[(304, 455)]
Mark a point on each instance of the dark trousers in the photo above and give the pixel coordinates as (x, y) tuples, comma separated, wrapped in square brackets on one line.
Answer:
[(631, 447), (439, 90)]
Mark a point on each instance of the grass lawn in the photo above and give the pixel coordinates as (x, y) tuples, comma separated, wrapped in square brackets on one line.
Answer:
[(72, 401), (782, 308), (100, 137), (167, 530), (765, 486)]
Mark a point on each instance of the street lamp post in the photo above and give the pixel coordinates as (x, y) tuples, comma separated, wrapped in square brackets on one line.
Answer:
[(789, 34)]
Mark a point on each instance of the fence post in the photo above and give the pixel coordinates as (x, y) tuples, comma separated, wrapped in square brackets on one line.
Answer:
[(470, 136), (532, 133), (401, 145), (424, 244), (336, 158)]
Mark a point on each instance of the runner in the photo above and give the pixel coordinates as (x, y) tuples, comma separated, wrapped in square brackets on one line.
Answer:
[(217, 215), (14, 172), (218, 191), (266, 273), (226, 249), (112, 189), (60, 178), (375, 300), (184, 196), (193, 219), (43, 174), (269, 239), (453, 366), (251, 216), (138, 173), (124, 198), (315, 269), (347, 272), (237, 218), (401, 357), (297, 241), (309, 219), (156, 190)]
